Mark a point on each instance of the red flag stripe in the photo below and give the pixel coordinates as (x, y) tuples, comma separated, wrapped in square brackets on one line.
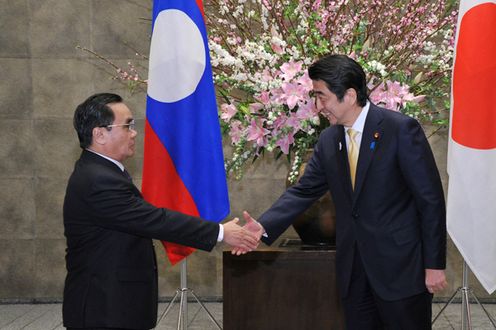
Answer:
[(159, 172), (473, 79)]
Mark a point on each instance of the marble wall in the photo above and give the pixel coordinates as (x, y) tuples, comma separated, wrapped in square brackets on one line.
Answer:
[(43, 78)]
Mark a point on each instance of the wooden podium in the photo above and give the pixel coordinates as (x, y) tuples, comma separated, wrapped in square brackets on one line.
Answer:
[(286, 286)]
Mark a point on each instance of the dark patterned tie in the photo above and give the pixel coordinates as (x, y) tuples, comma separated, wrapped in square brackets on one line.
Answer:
[(127, 175)]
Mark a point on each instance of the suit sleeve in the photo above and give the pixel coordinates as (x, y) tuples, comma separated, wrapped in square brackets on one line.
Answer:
[(116, 206), (311, 186), (420, 172)]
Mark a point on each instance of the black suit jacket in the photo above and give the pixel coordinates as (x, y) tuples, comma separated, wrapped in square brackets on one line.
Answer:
[(396, 214), (111, 267)]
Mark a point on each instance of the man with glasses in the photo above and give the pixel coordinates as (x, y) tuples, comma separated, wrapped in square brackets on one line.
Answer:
[(111, 266)]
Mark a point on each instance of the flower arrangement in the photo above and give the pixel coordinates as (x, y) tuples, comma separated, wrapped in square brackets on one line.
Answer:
[(260, 50)]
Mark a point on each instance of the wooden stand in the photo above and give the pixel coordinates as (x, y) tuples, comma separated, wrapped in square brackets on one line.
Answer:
[(281, 288)]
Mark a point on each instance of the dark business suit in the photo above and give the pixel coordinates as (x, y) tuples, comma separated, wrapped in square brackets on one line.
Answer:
[(111, 267), (395, 216)]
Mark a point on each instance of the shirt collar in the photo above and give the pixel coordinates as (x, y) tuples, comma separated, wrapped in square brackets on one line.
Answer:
[(359, 123), (119, 164)]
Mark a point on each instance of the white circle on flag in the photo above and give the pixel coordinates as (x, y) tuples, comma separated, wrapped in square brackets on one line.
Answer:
[(177, 57)]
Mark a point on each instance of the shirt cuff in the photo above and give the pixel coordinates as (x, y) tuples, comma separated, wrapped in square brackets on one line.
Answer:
[(220, 238)]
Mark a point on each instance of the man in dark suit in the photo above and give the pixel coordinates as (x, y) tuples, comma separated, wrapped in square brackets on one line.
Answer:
[(390, 211), (111, 267)]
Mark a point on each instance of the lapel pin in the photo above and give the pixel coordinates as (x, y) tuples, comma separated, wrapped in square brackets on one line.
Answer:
[(340, 146), (376, 137)]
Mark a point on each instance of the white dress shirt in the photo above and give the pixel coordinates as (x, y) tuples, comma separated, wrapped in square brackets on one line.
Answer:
[(358, 126)]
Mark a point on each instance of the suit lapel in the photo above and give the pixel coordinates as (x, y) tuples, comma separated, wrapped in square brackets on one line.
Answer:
[(342, 159), (92, 157), (372, 133)]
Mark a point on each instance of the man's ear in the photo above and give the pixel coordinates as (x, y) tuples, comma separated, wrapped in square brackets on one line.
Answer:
[(350, 96), (99, 136)]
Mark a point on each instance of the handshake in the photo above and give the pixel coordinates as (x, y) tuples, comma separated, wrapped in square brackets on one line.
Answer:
[(245, 238)]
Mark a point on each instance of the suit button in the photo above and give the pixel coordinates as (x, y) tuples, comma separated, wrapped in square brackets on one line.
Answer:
[(355, 215)]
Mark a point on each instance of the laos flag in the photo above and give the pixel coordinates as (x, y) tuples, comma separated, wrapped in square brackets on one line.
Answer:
[(183, 167)]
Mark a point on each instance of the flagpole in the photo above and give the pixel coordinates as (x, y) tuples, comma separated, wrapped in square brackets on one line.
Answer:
[(183, 306), (182, 318), (466, 319), (465, 291)]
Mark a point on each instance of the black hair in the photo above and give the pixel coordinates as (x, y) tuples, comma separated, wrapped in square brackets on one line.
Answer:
[(340, 73), (93, 112)]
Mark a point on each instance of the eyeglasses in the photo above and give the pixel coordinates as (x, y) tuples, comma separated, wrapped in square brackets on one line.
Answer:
[(130, 126)]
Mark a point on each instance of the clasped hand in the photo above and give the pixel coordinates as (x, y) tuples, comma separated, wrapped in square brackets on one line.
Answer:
[(243, 239)]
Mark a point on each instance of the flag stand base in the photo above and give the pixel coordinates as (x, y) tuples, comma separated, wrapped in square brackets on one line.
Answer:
[(182, 320), (465, 290)]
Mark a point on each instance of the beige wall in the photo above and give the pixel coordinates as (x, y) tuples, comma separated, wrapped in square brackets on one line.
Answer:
[(42, 78)]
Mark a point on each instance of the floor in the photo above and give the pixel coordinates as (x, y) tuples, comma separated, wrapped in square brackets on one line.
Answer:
[(48, 316)]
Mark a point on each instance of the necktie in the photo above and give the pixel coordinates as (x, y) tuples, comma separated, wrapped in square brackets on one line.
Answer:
[(127, 175), (352, 154)]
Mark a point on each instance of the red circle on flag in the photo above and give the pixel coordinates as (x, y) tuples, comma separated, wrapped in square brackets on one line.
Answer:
[(474, 79)]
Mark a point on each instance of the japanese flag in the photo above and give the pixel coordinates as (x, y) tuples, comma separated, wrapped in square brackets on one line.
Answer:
[(472, 142)]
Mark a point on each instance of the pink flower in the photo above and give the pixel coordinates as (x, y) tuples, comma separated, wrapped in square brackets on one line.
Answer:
[(305, 82), (279, 124), (393, 95), (276, 48), (263, 98), (290, 69), (267, 4), (382, 97), (256, 107), (277, 96), (236, 131), (306, 110), (227, 111), (377, 96), (399, 93), (292, 93), (267, 75), (285, 142), (256, 132), (294, 122), (418, 98)]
